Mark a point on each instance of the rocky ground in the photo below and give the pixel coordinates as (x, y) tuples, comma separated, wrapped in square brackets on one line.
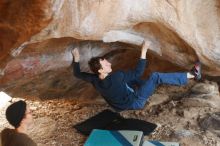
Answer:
[(188, 115)]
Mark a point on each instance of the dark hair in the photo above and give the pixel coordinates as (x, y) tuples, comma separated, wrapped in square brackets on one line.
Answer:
[(94, 64)]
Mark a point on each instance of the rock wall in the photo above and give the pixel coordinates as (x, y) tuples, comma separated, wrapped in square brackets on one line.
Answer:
[(19, 21), (180, 32), (185, 29)]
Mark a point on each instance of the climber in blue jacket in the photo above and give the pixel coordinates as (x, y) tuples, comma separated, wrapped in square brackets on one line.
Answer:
[(117, 88)]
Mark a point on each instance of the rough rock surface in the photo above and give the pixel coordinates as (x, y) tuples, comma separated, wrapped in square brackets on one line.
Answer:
[(181, 31), (211, 122), (204, 95)]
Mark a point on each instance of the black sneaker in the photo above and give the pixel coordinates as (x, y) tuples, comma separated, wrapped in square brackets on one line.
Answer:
[(197, 71)]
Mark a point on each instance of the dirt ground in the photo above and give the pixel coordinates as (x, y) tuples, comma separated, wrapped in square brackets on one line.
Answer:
[(54, 118)]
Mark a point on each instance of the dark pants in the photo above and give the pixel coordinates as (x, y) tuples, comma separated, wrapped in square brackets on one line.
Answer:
[(145, 88)]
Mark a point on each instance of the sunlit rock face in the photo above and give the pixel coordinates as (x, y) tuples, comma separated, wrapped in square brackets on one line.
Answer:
[(20, 20), (183, 31), (36, 37)]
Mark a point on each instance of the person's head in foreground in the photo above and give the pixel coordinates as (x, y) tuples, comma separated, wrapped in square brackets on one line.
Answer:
[(19, 116)]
